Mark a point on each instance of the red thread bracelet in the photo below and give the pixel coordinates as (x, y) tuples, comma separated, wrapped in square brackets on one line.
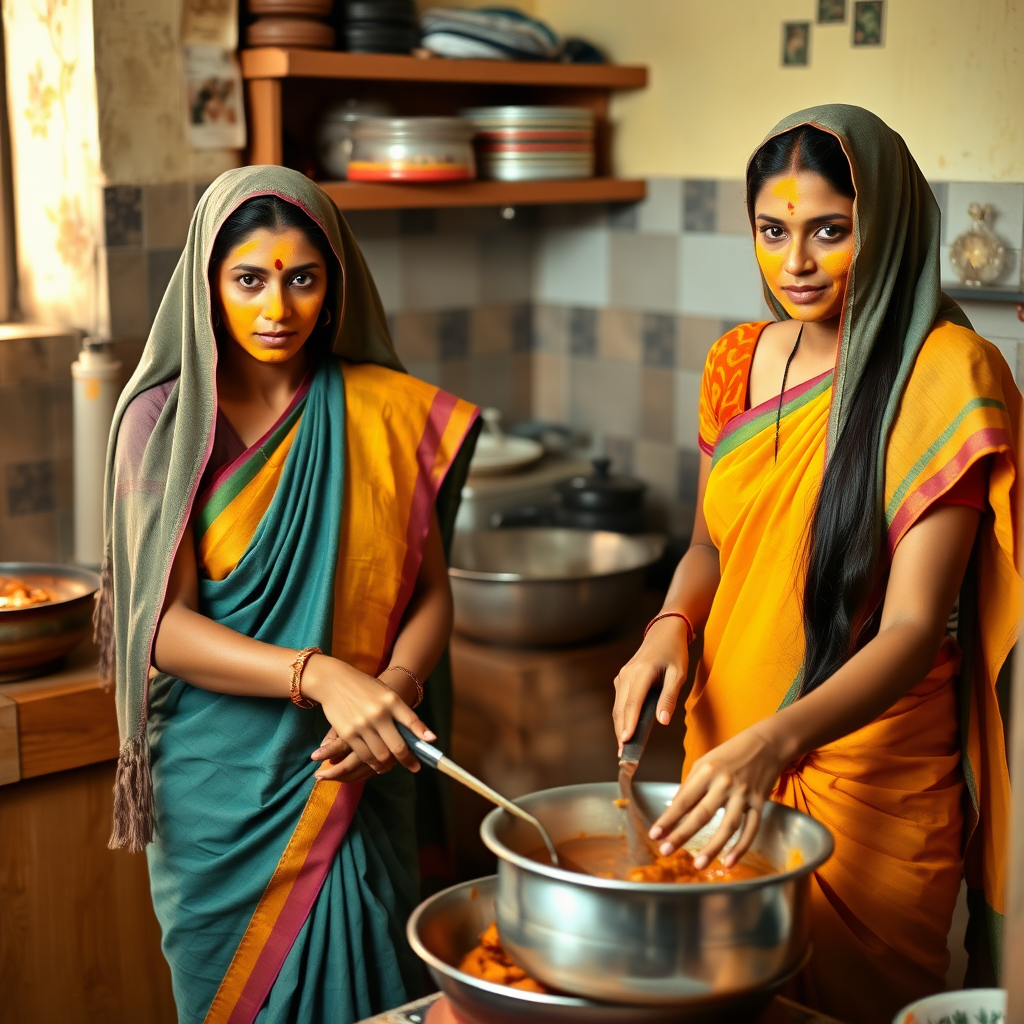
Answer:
[(690, 634)]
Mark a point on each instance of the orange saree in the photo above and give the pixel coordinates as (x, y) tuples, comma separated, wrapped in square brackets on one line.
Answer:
[(893, 793)]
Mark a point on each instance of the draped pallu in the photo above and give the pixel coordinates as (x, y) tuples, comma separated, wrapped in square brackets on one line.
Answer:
[(906, 795), (282, 898)]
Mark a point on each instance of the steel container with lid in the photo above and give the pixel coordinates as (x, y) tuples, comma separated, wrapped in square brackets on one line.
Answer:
[(424, 149)]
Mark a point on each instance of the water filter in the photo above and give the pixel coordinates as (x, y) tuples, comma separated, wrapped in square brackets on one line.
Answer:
[(97, 384)]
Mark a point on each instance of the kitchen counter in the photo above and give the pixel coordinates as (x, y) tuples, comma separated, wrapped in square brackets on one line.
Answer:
[(79, 942), (61, 720), (434, 1009)]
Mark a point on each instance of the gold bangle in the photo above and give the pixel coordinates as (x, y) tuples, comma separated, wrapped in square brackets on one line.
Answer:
[(412, 676), (298, 665)]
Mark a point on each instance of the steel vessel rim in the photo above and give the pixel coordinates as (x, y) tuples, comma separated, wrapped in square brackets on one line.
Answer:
[(655, 543), (511, 577), (487, 828)]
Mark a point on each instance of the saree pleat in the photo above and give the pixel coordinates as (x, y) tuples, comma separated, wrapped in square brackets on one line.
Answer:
[(893, 792), (281, 898)]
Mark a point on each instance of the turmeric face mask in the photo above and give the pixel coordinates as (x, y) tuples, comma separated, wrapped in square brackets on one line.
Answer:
[(804, 244), (271, 290)]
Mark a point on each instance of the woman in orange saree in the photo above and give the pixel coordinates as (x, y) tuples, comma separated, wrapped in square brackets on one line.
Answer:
[(842, 517)]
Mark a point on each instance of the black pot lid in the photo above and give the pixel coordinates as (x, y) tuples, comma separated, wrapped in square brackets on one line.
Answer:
[(602, 492)]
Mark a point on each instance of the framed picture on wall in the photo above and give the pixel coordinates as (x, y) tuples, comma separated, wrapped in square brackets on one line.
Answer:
[(868, 22), (831, 12), (796, 43)]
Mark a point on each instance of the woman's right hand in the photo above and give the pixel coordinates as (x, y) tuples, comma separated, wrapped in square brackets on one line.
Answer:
[(663, 658), (362, 712)]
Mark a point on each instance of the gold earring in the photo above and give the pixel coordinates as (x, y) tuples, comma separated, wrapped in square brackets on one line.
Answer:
[(328, 320)]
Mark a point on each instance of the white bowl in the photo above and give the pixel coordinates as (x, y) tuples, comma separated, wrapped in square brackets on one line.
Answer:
[(966, 1006)]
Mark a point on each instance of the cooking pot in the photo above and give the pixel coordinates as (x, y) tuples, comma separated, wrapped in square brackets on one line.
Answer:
[(651, 943), (597, 501), (445, 927), (34, 636), (543, 586)]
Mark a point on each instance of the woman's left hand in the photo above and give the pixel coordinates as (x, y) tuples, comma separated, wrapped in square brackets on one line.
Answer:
[(738, 775), (338, 761)]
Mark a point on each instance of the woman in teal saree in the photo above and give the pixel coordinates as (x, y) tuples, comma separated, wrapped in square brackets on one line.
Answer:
[(277, 488)]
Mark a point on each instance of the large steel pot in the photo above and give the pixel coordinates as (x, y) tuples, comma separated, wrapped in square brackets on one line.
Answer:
[(445, 927), (651, 944), (34, 636), (543, 586)]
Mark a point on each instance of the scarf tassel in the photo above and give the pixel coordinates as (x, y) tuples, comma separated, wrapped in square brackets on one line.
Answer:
[(133, 797)]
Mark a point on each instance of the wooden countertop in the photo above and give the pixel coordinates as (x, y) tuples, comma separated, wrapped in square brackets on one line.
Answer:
[(433, 1009), (62, 720)]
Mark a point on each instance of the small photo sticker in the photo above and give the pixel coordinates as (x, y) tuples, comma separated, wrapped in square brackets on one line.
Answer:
[(868, 21), (831, 12), (796, 43)]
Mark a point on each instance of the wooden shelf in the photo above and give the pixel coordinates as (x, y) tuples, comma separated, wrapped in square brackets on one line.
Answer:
[(985, 294), (287, 90), (357, 195), (274, 62)]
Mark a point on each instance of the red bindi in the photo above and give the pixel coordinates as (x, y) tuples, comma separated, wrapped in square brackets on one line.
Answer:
[(789, 206), (280, 265)]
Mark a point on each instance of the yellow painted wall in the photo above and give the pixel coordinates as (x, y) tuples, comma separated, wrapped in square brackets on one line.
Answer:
[(950, 79)]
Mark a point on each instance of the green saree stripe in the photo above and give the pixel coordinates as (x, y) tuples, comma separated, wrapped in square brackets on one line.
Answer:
[(936, 446), (793, 692), (255, 460), (731, 440)]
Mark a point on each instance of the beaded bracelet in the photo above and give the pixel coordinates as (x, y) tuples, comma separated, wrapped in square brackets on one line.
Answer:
[(690, 634), (412, 676), (298, 665)]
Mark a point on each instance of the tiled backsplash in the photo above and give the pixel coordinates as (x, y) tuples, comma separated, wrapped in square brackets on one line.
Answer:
[(35, 444), (596, 317)]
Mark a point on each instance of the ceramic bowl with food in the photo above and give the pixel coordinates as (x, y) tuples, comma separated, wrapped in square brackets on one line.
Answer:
[(968, 1006), (45, 611)]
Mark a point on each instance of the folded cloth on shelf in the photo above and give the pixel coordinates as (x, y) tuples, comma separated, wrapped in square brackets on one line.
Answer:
[(489, 33)]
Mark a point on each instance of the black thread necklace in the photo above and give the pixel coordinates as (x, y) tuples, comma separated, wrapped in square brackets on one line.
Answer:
[(785, 375)]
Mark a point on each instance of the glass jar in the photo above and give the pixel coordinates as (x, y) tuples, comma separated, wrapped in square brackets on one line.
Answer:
[(427, 149)]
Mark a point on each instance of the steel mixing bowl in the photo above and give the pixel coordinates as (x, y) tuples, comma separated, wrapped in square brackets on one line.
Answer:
[(34, 636), (541, 586), (658, 943), (445, 927)]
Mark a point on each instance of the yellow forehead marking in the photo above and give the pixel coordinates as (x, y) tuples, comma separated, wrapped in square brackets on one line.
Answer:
[(246, 248), (788, 189), (283, 249)]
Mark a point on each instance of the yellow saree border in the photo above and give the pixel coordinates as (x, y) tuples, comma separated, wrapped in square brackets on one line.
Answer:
[(285, 904)]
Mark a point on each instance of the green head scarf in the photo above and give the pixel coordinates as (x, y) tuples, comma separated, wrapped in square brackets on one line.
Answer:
[(895, 224), (158, 450)]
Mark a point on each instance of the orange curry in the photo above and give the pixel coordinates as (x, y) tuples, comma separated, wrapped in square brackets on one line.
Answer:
[(489, 962), (16, 593), (607, 856)]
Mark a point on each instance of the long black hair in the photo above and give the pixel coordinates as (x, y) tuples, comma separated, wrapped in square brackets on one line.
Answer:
[(277, 214), (845, 534)]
